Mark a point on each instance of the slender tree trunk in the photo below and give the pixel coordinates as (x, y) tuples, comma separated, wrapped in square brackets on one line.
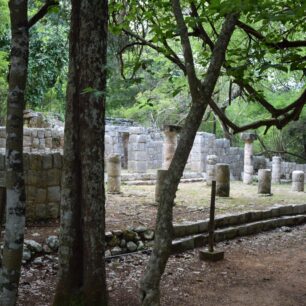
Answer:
[(82, 268), (15, 189), (201, 93)]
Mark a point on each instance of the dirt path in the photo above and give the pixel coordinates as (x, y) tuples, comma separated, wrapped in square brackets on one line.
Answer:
[(267, 269)]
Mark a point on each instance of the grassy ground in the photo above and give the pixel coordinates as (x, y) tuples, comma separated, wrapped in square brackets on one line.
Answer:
[(136, 203)]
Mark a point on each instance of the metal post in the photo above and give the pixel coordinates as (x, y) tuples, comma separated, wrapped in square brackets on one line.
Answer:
[(211, 226)]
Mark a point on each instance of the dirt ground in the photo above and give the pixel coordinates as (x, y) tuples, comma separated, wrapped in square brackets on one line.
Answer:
[(266, 269)]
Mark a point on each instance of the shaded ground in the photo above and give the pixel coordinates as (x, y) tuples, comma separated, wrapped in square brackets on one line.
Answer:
[(266, 269)]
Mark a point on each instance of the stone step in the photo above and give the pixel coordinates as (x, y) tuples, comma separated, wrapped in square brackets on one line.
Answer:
[(200, 240), (201, 226), (153, 182)]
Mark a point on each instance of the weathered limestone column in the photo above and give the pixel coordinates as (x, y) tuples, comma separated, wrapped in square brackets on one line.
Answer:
[(211, 162), (298, 181), (264, 181), (170, 143), (114, 173), (222, 180), (159, 182), (276, 169), (248, 168)]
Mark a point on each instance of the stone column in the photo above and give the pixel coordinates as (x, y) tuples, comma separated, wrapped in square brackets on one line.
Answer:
[(159, 182), (114, 173), (248, 168), (170, 143), (298, 181), (264, 181), (276, 169), (211, 161), (222, 180)]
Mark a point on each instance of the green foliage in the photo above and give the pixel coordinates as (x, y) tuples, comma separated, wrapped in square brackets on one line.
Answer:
[(48, 62), (4, 51)]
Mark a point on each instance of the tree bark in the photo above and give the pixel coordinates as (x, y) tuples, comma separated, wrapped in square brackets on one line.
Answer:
[(82, 267), (15, 188), (201, 94)]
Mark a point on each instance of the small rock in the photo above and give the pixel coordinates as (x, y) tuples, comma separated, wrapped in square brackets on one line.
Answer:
[(286, 229), (53, 243), (140, 245), (26, 254), (117, 233), (131, 246), (38, 261), (116, 251), (122, 243), (108, 253), (129, 235), (47, 249), (115, 241), (108, 235), (140, 229), (35, 234), (148, 234), (33, 246)]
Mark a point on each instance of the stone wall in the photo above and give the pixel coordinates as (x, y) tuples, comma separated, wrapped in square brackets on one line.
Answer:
[(38, 139), (42, 173)]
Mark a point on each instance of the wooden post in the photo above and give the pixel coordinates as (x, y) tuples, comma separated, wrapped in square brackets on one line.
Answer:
[(210, 254), (211, 226)]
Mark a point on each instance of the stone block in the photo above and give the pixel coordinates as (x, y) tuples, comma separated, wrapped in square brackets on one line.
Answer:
[(2, 132), (35, 162), (48, 133), (2, 142), (54, 177), (41, 211), (53, 210), (141, 156), (47, 161), (54, 194), (2, 162), (27, 141), (35, 142), (41, 195), (31, 192), (58, 160)]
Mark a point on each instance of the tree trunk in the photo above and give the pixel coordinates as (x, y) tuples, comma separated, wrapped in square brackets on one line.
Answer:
[(82, 268), (201, 93), (15, 189), (2, 205)]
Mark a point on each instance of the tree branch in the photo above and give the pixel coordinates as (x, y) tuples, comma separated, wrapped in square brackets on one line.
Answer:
[(42, 12), (172, 57), (292, 114), (194, 83), (280, 45)]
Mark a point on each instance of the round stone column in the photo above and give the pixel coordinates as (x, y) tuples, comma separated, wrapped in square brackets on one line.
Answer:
[(248, 168), (170, 143), (114, 173), (264, 181), (222, 180), (298, 181), (211, 161), (276, 169), (159, 182)]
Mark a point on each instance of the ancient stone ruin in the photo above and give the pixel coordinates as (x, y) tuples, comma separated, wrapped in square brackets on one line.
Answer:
[(139, 152)]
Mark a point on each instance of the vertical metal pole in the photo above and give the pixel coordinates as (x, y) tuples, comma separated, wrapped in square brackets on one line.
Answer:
[(211, 226)]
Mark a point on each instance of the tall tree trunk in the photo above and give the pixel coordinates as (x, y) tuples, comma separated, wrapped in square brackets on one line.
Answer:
[(201, 93), (82, 268), (15, 189)]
